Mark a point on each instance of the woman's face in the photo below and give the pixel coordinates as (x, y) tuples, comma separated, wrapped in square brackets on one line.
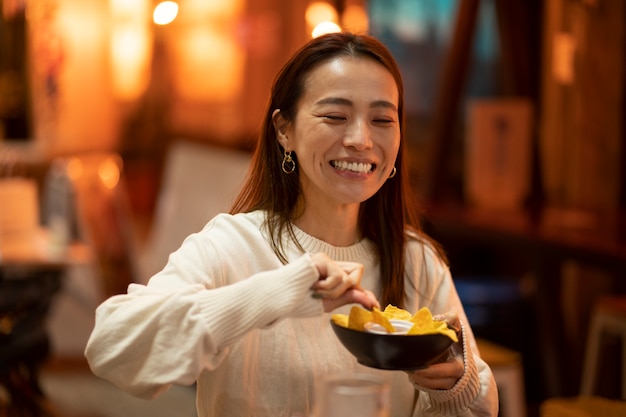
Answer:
[(346, 132)]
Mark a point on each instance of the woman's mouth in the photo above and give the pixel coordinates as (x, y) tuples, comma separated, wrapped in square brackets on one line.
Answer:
[(358, 167)]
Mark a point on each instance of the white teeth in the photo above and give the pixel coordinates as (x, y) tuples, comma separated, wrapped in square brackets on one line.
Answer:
[(353, 166)]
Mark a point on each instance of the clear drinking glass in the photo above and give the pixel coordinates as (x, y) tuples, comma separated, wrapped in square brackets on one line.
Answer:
[(355, 394)]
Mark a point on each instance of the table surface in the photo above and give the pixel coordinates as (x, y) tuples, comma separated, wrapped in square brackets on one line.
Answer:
[(598, 238), (76, 253)]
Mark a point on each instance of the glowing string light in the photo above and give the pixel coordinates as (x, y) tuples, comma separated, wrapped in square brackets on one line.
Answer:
[(165, 12)]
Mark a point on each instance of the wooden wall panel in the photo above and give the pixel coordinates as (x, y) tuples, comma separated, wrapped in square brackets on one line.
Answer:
[(582, 117)]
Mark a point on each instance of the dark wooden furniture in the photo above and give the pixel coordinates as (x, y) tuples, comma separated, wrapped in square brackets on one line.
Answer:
[(536, 245), (26, 292), (27, 289)]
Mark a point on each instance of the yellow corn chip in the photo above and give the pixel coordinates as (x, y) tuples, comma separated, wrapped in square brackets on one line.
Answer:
[(416, 330), (423, 322), (378, 317), (358, 318), (393, 312), (340, 319), (422, 318)]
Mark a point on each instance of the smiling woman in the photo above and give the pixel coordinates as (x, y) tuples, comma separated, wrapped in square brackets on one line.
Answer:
[(323, 221), (346, 136)]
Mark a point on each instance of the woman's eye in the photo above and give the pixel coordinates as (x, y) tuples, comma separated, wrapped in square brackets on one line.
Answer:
[(333, 117)]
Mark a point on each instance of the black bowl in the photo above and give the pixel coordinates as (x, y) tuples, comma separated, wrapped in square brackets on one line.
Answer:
[(389, 351)]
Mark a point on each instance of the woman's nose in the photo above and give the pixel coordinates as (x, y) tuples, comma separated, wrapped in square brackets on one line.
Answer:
[(358, 136)]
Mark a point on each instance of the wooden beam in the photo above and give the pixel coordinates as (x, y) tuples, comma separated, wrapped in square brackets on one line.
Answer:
[(450, 90)]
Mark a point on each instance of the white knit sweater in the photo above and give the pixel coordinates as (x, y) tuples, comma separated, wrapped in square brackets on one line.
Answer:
[(225, 312)]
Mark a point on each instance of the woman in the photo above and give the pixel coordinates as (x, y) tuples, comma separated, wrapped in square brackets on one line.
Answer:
[(323, 222)]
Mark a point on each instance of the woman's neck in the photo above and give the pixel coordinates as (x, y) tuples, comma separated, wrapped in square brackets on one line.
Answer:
[(339, 228)]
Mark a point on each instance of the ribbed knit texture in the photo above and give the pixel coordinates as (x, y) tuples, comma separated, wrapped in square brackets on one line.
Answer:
[(255, 293), (455, 401), (225, 312)]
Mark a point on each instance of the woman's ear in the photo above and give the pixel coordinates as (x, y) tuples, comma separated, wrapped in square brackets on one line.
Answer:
[(280, 126)]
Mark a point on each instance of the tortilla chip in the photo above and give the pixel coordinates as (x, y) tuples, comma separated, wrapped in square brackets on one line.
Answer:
[(395, 313), (379, 317), (358, 318), (340, 319), (423, 322)]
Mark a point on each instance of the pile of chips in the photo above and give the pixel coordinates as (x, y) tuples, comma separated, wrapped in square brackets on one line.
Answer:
[(423, 322)]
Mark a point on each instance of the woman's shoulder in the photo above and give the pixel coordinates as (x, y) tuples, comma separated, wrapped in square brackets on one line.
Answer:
[(427, 267), (423, 247), (232, 229), (250, 220), (231, 236), (419, 240)]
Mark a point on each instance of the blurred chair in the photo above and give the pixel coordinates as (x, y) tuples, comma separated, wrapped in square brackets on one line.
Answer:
[(96, 213), (199, 181), (104, 219), (609, 317), (582, 407), (506, 365)]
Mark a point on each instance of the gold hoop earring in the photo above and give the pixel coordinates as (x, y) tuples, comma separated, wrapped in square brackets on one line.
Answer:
[(288, 165), (393, 172)]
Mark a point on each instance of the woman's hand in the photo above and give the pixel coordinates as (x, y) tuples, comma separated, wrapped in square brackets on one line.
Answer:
[(340, 284), (444, 373)]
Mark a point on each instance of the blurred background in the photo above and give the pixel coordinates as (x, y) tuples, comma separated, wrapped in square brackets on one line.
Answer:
[(126, 124)]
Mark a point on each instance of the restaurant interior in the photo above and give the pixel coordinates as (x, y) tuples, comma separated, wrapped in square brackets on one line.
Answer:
[(125, 125)]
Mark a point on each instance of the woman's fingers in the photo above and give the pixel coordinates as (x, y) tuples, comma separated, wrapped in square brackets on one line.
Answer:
[(339, 284), (355, 295), (439, 376), (336, 277), (451, 318)]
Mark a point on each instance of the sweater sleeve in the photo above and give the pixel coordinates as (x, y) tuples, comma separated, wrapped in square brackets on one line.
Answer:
[(475, 393), (170, 330)]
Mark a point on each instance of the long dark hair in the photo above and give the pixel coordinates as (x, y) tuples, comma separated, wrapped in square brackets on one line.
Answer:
[(385, 217)]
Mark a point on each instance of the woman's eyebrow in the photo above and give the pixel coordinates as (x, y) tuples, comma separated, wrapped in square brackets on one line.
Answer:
[(384, 103), (346, 102), (334, 100)]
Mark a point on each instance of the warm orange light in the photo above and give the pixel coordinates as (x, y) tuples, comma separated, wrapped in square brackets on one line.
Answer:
[(126, 9), (324, 28), (319, 12), (130, 52), (321, 18), (210, 65), (355, 19), (209, 60), (131, 47), (165, 12), (109, 173), (74, 169), (203, 9)]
